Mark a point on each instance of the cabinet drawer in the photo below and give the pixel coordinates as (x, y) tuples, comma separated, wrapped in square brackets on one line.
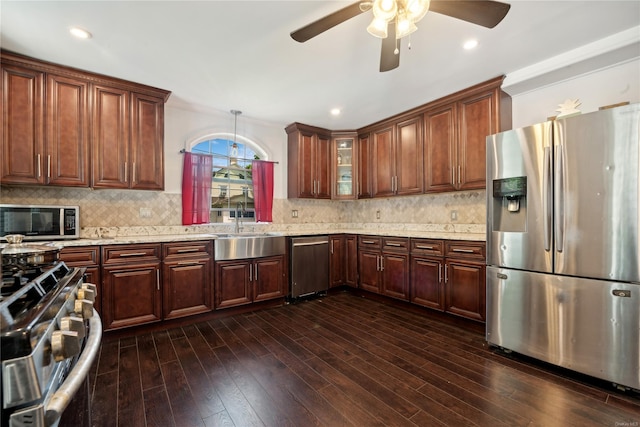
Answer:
[(187, 250), (427, 247), (369, 242), (80, 256), (396, 244), (466, 249), (118, 254)]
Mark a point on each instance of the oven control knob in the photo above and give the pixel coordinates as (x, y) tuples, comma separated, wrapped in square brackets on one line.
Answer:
[(73, 323), (91, 286), (64, 344), (88, 294), (84, 308)]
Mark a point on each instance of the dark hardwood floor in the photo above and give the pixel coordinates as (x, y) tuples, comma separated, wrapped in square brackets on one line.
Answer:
[(339, 361)]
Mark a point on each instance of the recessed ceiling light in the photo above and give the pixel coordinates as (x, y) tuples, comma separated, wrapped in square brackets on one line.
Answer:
[(80, 33), (335, 111), (470, 44)]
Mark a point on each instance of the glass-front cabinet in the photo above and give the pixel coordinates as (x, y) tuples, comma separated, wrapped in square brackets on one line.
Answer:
[(344, 162)]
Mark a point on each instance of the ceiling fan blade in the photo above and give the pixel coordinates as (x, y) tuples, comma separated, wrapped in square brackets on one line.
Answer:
[(323, 24), (388, 58), (481, 12)]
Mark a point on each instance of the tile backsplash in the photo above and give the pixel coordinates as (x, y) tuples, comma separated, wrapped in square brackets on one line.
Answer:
[(129, 208)]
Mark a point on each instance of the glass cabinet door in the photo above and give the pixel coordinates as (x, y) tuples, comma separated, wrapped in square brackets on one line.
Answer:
[(344, 162)]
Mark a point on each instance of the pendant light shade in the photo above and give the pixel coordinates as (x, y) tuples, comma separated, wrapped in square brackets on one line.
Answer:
[(378, 28), (385, 9), (406, 14), (417, 9)]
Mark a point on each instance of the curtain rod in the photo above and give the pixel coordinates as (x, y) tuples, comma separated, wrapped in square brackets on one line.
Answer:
[(270, 161)]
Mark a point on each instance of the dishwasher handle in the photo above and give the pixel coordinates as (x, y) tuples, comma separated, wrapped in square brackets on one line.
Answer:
[(311, 243)]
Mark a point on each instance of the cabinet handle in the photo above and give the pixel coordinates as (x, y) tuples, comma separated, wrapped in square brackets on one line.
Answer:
[(250, 273), (439, 273), (424, 247), (393, 244), (368, 242), (459, 167), (133, 172), (377, 263), (126, 172), (39, 166), (132, 254), (446, 273), (158, 279), (255, 276), (466, 251), (48, 166), (381, 263), (186, 263), (332, 247), (453, 176)]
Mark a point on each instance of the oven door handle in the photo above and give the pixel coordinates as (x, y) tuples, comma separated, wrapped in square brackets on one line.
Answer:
[(61, 398)]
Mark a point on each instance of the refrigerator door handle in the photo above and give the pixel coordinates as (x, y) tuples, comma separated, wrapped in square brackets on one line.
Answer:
[(547, 195), (559, 199)]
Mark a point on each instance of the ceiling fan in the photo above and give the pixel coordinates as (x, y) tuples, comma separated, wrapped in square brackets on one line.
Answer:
[(395, 19)]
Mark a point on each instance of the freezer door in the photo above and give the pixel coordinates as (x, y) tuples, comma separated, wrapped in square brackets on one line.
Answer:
[(519, 228), (597, 186), (589, 326)]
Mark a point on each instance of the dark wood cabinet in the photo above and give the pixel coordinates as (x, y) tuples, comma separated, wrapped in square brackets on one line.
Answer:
[(363, 184), (72, 128), (22, 109), (449, 276), (344, 165), (245, 281), (89, 258), (397, 158), (187, 285), (309, 162), (67, 132), (456, 128), (337, 258), (131, 285), (351, 260), (383, 265)]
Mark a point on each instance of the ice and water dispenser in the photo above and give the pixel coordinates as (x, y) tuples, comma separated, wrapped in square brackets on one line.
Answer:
[(510, 204)]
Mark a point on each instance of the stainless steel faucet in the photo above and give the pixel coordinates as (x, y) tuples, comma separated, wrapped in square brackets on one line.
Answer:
[(239, 211)]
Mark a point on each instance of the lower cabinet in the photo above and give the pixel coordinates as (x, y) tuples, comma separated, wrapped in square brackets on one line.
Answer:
[(337, 258), (449, 276), (351, 260), (383, 265), (88, 257), (187, 287), (245, 281)]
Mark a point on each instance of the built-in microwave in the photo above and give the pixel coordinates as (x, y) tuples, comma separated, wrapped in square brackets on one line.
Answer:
[(40, 222)]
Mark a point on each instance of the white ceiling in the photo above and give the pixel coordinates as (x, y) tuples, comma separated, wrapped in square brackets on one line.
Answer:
[(238, 54)]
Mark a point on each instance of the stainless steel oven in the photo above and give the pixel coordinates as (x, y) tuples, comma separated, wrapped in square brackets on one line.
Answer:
[(40, 222)]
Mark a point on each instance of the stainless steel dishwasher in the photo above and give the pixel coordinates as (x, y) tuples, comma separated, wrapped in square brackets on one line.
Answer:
[(309, 265)]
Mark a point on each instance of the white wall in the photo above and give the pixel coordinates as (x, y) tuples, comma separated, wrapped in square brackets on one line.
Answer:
[(607, 86), (183, 123)]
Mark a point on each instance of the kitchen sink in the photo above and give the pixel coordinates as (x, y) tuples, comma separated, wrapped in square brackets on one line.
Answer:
[(247, 245)]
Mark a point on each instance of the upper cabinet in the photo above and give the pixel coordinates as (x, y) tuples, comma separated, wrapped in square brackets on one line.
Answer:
[(455, 136), (309, 162), (68, 127), (344, 160)]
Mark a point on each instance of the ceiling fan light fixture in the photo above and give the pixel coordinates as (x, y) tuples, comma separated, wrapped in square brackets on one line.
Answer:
[(378, 28), (417, 9), (404, 26), (385, 9)]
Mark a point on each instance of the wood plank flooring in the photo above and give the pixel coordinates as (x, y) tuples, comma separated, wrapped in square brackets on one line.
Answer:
[(341, 360)]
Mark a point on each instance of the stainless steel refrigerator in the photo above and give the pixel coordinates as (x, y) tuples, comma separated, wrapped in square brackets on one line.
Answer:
[(563, 253)]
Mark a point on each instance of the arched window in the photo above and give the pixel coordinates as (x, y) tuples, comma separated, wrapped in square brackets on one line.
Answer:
[(231, 179)]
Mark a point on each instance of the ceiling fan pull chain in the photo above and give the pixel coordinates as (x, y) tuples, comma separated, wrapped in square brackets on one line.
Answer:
[(409, 44), (397, 49)]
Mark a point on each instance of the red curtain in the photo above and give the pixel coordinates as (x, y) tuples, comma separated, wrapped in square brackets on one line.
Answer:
[(196, 188), (262, 175)]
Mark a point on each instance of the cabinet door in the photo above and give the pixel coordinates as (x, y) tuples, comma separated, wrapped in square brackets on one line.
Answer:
[(351, 260), (363, 185), (336, 261), (268, 278), (395, 275), (368, 270), (344, 166), (465, 284), (147, 137), (322, 164), (476, 121), (67, 130), (232, 283), (427, 287), (409, 157), (110, 145), (89, 258), (23, 126), (131, 295), (382, 163), (302, 164), (440, 164), (187, 288)]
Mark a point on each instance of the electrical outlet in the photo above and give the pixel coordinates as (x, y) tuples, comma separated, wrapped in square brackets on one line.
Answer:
[(377, 214), (294, 213), (145, 213), (454, 215)]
